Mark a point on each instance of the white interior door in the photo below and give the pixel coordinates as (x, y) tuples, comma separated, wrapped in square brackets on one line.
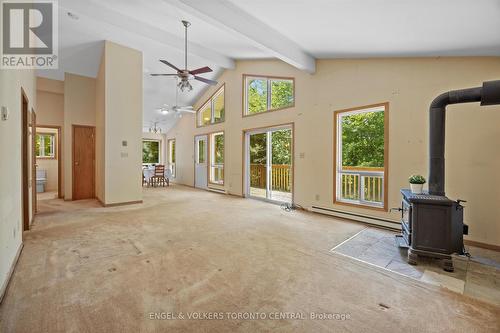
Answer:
[(200, 161)]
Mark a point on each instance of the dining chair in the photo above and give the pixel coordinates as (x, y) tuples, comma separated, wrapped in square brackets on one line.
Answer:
[(159, 175)]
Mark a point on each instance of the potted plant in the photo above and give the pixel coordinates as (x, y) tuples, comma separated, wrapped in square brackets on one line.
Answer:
[(416, 183)]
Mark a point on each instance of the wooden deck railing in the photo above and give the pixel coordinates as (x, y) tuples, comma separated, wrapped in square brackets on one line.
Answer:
[(280, 177), (362, 184)]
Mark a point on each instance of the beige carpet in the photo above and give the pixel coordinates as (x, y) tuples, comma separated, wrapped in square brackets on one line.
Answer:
[(189, 252)]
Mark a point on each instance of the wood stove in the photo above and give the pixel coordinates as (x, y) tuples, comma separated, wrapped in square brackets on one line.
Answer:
[(431, 224)]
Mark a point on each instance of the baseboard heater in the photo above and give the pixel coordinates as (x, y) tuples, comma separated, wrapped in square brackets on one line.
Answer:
[(367, 219)]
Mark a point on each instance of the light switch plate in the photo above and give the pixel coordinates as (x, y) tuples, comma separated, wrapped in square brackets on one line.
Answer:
[(5, 113)]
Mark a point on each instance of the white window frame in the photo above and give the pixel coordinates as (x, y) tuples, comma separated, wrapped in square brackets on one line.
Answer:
[(211, 102), (269, 80), (211, 156), (171, 165), (360, 173), (52, 154)]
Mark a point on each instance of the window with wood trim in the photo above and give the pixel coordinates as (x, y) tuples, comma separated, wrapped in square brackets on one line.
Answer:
[(45, 145), (216, 158), (267, 93), (213, 110), (171, 156), (361, 156)]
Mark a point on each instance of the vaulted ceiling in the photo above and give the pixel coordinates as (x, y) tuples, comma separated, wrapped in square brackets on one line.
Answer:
[(295, 31)]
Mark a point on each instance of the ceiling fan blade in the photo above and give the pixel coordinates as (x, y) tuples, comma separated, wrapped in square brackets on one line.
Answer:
[(207, 81), (163, 74), (186, 107), (169, 64), (201, 70), (186, 110)]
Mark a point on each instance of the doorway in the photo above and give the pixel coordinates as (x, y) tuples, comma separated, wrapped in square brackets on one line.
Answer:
[(47, 150), (269, 164), (25, 201), (200, 162), (83, 162)]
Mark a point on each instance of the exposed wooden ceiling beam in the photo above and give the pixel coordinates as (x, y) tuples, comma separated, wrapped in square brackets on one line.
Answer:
[(228, 16)]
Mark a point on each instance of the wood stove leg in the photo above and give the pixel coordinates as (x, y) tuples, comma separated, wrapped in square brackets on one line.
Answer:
[(448, 265), (412, 257)]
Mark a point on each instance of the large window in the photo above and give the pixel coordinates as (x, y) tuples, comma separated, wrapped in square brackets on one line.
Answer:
[(45, 145), (217, 158), (264, 94), (361, 156), (150, 152), (171, 156), (212, 112)]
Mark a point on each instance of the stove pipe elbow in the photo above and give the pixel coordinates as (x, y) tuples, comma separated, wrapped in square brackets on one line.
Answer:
[(488, 94)]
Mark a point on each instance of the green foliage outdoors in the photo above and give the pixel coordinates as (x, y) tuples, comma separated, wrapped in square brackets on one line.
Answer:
[(48, 142), (150, 151), (363, 140), (281, 95), (416, 179), (257, 96), (219, 149), (281, 147), (173, 151)]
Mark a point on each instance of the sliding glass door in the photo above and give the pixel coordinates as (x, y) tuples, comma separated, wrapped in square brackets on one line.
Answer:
[(269, 164)]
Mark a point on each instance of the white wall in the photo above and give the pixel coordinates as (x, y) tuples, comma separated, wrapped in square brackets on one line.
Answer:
[(409, 85), (11, 82), (50, 112), (123, 123)]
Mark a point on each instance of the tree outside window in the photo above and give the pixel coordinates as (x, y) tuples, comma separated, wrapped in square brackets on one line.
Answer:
[(150, 152), (267, 93), (45, 145)]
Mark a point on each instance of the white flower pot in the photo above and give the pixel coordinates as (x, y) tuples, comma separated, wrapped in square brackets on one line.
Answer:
[(417, 188)]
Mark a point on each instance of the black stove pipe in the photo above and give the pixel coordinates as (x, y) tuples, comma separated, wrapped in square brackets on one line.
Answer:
[(488, 94)]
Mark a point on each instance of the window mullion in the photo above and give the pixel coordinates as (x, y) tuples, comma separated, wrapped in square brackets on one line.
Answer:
[(269, 92)]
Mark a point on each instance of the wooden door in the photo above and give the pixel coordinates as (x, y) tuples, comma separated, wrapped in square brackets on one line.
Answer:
[(83, 162)]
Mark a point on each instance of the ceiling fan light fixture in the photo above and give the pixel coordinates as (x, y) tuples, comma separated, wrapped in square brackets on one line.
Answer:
[(185, 85)]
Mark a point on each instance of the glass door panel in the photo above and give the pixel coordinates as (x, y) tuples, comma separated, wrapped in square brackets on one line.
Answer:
[(258, 165), (281, 166)]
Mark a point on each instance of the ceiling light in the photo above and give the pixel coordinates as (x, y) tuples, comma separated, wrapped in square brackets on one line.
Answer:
[(184, 84), (73, 16), (164, 111)]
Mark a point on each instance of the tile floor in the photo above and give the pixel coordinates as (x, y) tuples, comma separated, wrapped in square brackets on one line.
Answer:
[(477, 276)]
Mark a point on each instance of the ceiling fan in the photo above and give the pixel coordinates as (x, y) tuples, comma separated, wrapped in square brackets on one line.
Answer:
[(177, 109), (184, 74)]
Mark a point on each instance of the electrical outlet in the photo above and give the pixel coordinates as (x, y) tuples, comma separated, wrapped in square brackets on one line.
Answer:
[(302, 155)]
